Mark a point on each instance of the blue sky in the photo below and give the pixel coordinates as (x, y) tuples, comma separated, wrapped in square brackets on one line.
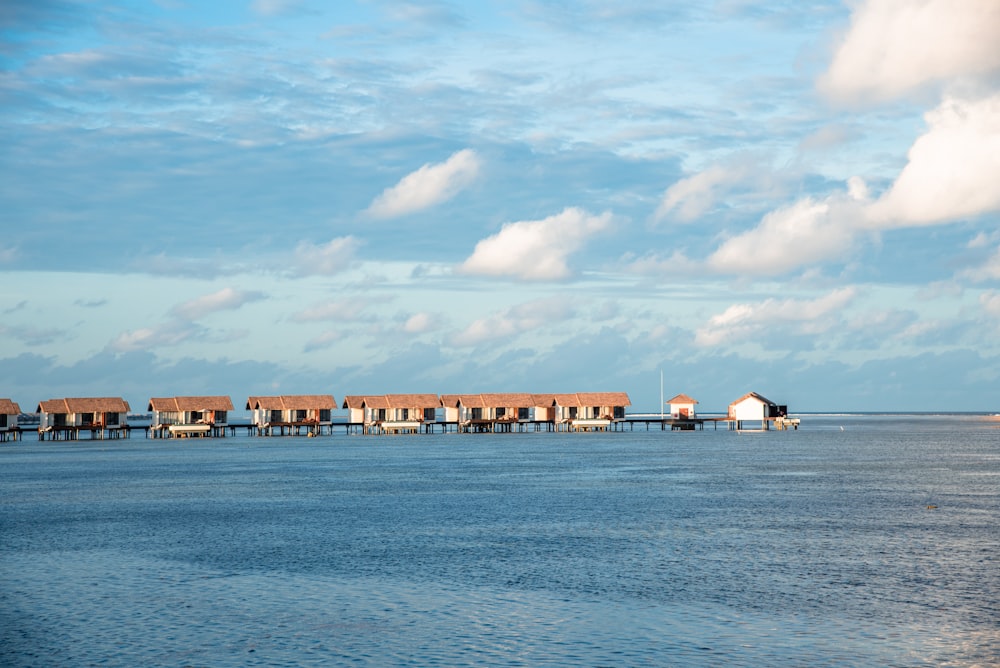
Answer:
[(279, 196)]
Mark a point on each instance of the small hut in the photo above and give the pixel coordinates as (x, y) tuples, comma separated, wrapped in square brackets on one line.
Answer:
[(9, 412), (682, 407), (753, 407)]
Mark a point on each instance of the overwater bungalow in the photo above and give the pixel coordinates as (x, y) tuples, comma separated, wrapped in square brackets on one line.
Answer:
[(99, 417), (493, 411), (682, 407), (9, 411), (392, 413), (189, 416), (409, 413), (310, 414), (590, 411), (754, 408)]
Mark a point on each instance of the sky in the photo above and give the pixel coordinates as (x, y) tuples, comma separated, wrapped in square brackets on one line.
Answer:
[(257, 197)]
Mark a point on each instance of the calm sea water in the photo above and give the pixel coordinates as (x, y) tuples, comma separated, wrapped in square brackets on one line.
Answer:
[(813, 547)]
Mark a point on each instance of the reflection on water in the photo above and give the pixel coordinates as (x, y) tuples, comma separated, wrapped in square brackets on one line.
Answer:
[(812, 547)]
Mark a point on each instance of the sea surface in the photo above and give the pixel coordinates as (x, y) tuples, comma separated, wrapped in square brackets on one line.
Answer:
[(854, 541)]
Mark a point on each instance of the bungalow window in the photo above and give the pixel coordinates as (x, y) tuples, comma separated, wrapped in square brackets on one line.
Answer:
[(220, 416), (59, 419), (274, 415), (619, 412), (3, 420), (380, 414), (477, 413), (596, 412), (301, 415), (572, 412), (429, 415), (523, 413), (404, 413), (197, 416), (112, 419), (324, 415), (501, 412), (86, 419)]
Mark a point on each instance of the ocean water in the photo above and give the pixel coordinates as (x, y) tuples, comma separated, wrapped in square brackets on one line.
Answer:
[(856, 540)]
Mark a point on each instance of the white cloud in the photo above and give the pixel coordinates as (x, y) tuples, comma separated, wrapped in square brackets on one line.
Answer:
[(740, 322), (418, 323), (535, 249), (325, 259), (226, 299), (990, 301), (894, 47), (803, 233), (692, 197), (429, 185), (952, 170), (516, 320)]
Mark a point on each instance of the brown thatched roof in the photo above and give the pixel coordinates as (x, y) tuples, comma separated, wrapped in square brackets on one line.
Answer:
[(293, 402), (682, 399), (508, 400), (545, 400), (187, 404), (353, 401), (593, 399), (84, 405), (376, 401), (419, 401), (9, 407)]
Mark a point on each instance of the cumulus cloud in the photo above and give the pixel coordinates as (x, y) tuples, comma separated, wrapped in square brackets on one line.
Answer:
[(952, 169), (535, 250), (429, 185), (516, 320), (740, 322), (325, 259), (894, 47), (226, 299), (694, 196), (803, 233)]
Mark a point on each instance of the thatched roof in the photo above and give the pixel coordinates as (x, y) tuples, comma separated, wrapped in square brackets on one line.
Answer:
[(9, 407), (682, 399), (188, 404), (84, 405), (293, 402), (508, 400), (593, 399), (413, 400)]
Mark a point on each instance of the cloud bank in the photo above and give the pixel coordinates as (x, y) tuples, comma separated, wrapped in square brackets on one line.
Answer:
[(895, 47)]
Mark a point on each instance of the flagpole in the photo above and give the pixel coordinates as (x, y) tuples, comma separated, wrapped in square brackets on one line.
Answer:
[(661, 395)]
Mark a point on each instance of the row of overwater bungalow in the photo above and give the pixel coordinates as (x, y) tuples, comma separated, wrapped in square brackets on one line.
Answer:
[(312, 415)]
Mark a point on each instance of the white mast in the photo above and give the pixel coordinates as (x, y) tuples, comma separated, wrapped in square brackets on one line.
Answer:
[(661, 395)]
